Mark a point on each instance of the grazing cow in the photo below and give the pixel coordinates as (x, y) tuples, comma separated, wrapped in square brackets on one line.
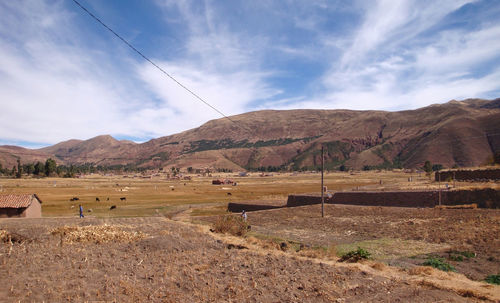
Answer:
[(107, 199), (97, 199), (123, 199), (74, 199), (229, 194), (112, 207)]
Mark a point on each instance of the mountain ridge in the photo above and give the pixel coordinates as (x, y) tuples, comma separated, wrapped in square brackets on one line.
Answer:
[(462, 133)]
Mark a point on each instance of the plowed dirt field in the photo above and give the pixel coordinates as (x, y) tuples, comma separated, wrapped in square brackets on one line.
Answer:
[(154, 259)]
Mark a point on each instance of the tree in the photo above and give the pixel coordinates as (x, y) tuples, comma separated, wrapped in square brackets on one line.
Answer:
[(437, 167), (428, 166), (19, 169), (50, 167), (29, 168), (39, 169), (175, 171)]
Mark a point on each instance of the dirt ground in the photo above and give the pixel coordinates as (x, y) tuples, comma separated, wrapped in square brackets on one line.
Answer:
[(395, 235), (155, 259)]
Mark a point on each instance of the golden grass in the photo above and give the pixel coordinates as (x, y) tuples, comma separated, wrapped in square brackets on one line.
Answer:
[(464, 206), (96, 234), (146, 197)]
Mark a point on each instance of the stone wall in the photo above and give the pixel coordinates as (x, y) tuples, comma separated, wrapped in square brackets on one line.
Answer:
[(484, 198), (468, 175)]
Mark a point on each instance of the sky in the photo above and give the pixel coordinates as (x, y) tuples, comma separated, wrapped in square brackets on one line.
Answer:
[(64, 76)]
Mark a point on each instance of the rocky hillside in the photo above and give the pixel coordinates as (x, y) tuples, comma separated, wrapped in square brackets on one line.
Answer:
[(465, 133)]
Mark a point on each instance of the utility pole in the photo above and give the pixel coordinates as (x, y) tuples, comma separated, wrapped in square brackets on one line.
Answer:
[(439, 182), (322, 186)]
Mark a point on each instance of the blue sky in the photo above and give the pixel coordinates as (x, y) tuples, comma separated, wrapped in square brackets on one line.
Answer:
[(63, 76)]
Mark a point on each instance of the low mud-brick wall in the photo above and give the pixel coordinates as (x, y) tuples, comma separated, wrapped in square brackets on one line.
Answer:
[(468, 175), (237, 207), (484, 198)]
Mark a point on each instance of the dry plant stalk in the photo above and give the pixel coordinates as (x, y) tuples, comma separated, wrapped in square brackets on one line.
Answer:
[(463, 206), (230, 224), (4, 235), (96, 234)]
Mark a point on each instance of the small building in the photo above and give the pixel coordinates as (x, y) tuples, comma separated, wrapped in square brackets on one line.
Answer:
[(20, 206), (222, 181)]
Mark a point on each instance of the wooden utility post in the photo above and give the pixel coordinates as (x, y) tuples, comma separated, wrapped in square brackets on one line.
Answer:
[(439, 182), (322, 186)]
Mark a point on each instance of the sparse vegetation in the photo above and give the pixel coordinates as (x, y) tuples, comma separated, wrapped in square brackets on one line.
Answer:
[(231, 224), (355, 255), (493, 279), (458, 256), (438, 263)]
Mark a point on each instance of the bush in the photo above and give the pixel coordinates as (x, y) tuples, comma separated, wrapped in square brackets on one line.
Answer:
[(455, 255), (231, 224), (493, 279), (457, 258), (439, 264), (355, 255)]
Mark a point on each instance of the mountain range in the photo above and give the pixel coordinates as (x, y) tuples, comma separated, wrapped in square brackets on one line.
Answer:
[(457, 133)]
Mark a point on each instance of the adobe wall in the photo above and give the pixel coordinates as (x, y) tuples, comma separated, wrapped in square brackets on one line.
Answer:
[(468, 175), (239, 207), (485, 198), (34, 210)]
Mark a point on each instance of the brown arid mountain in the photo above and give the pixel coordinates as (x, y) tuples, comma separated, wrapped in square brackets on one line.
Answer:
[(462, 133)]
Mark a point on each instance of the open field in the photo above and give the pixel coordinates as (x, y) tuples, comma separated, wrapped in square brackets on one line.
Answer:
[(155, 259), (145, 197), (142, 254)]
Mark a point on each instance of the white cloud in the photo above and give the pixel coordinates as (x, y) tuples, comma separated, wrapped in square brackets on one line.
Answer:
[(391, 65), (54, 87), (231, 92), (59, 80)]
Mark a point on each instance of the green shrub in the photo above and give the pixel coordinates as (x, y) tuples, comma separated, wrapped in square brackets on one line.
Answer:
[(493, 279), (439, 264), (355, 255), (458, 258), (455, 255), (467, 254)]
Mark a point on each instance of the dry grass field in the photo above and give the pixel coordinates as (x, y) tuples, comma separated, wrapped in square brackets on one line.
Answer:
[(150, 196), (148, 249)]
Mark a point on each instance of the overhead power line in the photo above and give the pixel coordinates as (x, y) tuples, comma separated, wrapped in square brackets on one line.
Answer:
[(156, 65)]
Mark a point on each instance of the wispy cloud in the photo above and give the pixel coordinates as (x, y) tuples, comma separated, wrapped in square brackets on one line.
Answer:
[(63, 76), (400, 59)]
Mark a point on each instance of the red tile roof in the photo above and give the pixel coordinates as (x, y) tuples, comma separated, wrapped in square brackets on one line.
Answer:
[(17, 200)]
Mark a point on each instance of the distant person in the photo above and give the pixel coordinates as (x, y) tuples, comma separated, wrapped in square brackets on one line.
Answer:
[(244, 215), (81, 211)]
